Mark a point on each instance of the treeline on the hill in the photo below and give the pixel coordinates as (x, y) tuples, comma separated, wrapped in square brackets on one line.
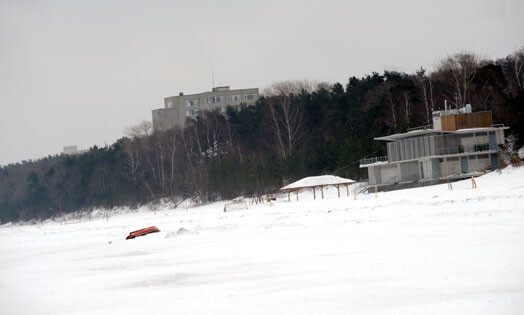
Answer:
[(296, 129)]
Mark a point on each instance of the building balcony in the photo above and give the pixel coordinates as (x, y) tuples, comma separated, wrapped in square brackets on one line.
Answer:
[(468, 149), (373, 160), (464, 149), (427, 127)]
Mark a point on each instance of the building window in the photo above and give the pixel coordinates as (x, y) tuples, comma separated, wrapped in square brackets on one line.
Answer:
[(249, 97), (169, 104), (191, 112), (192, 103), (218, 109), (235, 107), (233, 98), (214, 99), (481, 147)]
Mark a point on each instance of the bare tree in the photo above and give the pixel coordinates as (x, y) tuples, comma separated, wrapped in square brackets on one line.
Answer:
[(160, 157), (294, 87), (142, 129), (211, 127), (275, 125), (193, 156), (134, 146), (517, 63), (171, 144), (287, 123), (293, 121), (132, 152), (393, 108), (406, 105), (286, 117), (426, 85), (140, 146), (460, 69)]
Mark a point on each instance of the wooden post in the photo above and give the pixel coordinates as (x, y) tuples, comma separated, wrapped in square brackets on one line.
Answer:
[(322, 191), (296, 191), (376, 192), (288, 192), (338, 189), (314, 196), (347, 189)]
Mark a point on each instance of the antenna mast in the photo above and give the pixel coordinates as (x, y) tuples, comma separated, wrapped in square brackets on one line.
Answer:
[(212, 74)]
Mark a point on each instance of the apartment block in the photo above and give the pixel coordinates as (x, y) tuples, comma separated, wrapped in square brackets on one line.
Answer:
[(179, 108)]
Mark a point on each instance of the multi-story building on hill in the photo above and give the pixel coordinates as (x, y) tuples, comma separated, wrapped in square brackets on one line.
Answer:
[(178, 108), (459, 144), (73, 150)]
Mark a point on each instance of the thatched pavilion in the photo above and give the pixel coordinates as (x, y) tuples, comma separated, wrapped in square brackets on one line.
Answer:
[(315, 182)]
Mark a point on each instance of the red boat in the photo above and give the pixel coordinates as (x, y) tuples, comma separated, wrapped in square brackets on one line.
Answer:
[(151, 229)]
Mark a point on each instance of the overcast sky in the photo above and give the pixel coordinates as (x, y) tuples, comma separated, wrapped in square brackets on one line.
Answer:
[(78, 72)]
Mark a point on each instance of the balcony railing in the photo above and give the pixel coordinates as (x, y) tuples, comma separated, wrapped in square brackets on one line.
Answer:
[(421, 128), (394, 179), (374, 160), (448, 151), (464, 149), (481, 147)]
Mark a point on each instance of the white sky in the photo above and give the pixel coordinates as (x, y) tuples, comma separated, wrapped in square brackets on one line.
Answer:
[(78, 72)]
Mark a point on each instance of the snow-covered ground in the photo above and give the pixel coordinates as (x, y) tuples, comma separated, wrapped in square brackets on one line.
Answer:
[(419, 251)]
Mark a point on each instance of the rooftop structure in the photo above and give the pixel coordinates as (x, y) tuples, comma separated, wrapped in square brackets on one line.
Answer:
[(178, 108), (459, 144), (315, 182), (73, 150)]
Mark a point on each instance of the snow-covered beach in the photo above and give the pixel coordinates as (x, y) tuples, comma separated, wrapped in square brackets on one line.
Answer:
[(427, 250)]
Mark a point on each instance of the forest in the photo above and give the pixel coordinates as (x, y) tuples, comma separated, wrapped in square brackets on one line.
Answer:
[(296, 129)]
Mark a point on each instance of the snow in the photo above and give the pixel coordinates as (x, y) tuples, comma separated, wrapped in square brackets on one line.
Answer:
[(419, 251), (317, 181), (374, 164)]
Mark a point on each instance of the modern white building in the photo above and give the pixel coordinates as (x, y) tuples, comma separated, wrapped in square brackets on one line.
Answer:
[(459, 144)]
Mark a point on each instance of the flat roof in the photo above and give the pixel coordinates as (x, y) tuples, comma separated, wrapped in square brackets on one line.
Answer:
[(315, 181), (220, 90), (416, 133)]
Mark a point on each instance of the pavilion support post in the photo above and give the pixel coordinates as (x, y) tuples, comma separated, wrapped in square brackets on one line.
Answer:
[(288, 198), (322, 191), (347, 189), (314, 195), (338, 190), (296, 191)]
